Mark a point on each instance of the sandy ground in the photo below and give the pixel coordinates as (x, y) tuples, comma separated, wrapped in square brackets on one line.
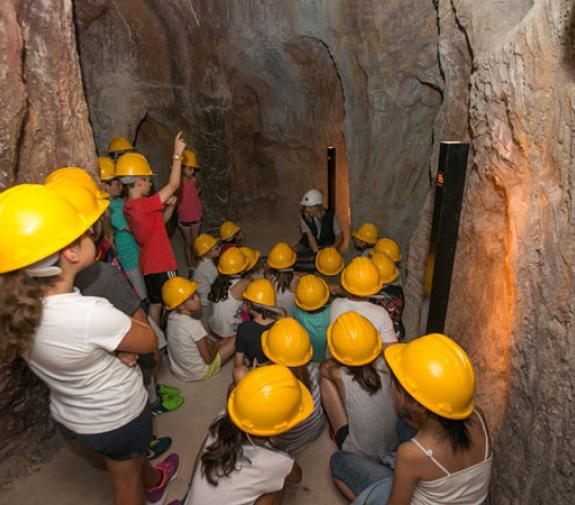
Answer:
[(72, 478)]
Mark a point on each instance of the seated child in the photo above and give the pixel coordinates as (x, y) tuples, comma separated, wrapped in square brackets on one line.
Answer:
[(208, 250), (261, 302), (192, 356), (230, 235), (312, 312), (356, 388), (226, 294), (361, 280), (234, 466), (119, 146), (390, 296), (364, 237), (280, 271), (287, 343), (329, 263)]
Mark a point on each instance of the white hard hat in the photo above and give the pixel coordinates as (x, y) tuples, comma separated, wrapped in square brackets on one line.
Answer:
[(311, 198)]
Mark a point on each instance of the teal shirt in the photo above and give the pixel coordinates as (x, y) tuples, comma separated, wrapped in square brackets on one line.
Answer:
[(316, 325), (126, 244)]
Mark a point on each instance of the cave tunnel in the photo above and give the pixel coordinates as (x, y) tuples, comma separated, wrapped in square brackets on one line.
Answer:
[(261, 90)]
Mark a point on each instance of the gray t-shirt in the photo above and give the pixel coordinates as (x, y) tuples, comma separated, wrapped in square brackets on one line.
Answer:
[(104, 280)]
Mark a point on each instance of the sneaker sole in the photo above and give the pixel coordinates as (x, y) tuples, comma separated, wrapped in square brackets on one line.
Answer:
[(164, 498)]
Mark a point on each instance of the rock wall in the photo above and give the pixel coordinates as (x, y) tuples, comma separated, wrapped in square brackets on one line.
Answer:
[(513, 278), (43, 126)]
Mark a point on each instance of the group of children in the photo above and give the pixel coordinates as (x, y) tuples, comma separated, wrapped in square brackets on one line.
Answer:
[(304, 347)]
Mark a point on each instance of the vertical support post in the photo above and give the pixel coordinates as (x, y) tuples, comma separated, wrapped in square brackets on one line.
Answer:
[(449, 187), (331, 179)]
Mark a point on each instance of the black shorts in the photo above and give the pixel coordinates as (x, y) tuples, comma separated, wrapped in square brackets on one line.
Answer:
[(154, 283), (127, 442)]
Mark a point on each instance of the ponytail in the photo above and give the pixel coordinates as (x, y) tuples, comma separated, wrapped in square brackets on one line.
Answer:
[(220, 458), (220, 289), (367, 377), (20, 312), (281, 279)]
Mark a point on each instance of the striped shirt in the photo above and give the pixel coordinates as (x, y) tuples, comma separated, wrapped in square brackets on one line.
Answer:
[(298, 438)]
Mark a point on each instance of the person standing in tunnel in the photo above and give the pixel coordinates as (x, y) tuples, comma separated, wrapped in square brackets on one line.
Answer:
[(319, 226), (147, 215)]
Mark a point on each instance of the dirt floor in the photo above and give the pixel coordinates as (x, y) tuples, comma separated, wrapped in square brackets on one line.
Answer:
[(72, 478)]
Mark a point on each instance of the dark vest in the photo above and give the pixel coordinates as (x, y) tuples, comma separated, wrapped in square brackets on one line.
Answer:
[(326, 237)]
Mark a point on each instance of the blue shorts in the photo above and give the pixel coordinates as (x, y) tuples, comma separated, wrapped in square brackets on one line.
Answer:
[(127, 442)]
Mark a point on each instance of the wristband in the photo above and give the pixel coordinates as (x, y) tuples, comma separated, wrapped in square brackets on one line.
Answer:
[(177, 157)]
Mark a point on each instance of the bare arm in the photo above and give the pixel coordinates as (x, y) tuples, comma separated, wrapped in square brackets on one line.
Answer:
[(169, 208), (312, 241), (405, 476), (140, 339), (239, 359), (199, 182), (176, 173), (295, 474), (207, 349), (338, 241)]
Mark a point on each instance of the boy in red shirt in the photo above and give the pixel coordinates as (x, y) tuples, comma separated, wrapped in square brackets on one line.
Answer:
[(146, 217)]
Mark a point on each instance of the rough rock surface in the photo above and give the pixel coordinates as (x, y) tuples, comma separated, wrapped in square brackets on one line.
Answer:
[(44, 125)]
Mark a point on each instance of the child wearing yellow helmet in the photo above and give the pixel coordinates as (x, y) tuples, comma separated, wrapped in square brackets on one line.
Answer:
[(146, 216), (70, 341), (191, 355), (234, 464), (280, 271), (207, 250), (450, 458), (356, 388), (364, 237), (231, 235), (189, 204), (361, 280), (312, 312)]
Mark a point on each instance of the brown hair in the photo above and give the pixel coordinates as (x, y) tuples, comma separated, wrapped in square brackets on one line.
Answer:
[(302, 374), (281, 279), (367, 377), (20, 312)]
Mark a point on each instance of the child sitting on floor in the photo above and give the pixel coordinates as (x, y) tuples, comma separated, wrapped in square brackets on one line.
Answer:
[(356, 388), (312, 312), (364, 237), (206, 271), (261, 302), (287, 343), (329, 263), (230, 235), (280, 271), (233, 465), (192, 356)]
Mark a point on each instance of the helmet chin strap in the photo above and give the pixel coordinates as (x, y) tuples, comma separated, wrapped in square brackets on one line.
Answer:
[(45, 267)]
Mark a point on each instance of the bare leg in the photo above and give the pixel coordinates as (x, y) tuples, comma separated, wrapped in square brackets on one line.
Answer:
[(239, 372), (129, 479), (332, 404), (155, 313), (187, 236), (194, 232), (227, 348), (344, 490)]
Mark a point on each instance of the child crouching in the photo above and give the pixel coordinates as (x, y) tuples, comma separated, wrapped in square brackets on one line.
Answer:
[(192, 356)]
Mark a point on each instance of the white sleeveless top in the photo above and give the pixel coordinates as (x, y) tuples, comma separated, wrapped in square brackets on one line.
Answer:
[(226, 314), (286, 299), (464, 487)]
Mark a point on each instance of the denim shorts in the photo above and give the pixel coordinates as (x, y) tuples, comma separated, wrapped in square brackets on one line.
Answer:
[(127, 442), (357, 472)]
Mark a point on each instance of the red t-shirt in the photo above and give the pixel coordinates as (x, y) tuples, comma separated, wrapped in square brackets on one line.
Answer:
[(146, 222)]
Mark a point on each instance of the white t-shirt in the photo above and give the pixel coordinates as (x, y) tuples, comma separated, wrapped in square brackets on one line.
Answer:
[(378, 316), (91, 391), (265, 474), (184, 357), (205, 274)]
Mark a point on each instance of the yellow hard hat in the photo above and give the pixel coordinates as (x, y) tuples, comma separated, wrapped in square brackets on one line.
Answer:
[(361, 277), (36, 222), (176, 291), (232, 262), (204, 243), (436, 372), (329, 261), (353, 340), (287, 343), (133, 164), (281, 256), (387, 246), (228, 229), (106, 166), (119, 144), (78, 174), (311, 293), (268, 401), (253, 255), (387, 269), (189, 159), (261, 291), (366, 232), (80, 197)]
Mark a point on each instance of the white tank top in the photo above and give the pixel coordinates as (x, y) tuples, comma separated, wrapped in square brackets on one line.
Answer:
[(464, 487), (286, 299), (226, 314)]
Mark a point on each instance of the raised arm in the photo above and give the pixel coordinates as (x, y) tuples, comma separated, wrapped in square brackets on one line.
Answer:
[(176, 173)]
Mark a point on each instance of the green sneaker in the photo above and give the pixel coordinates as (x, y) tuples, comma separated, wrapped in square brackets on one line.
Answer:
[(168, 404), (165, 390)]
